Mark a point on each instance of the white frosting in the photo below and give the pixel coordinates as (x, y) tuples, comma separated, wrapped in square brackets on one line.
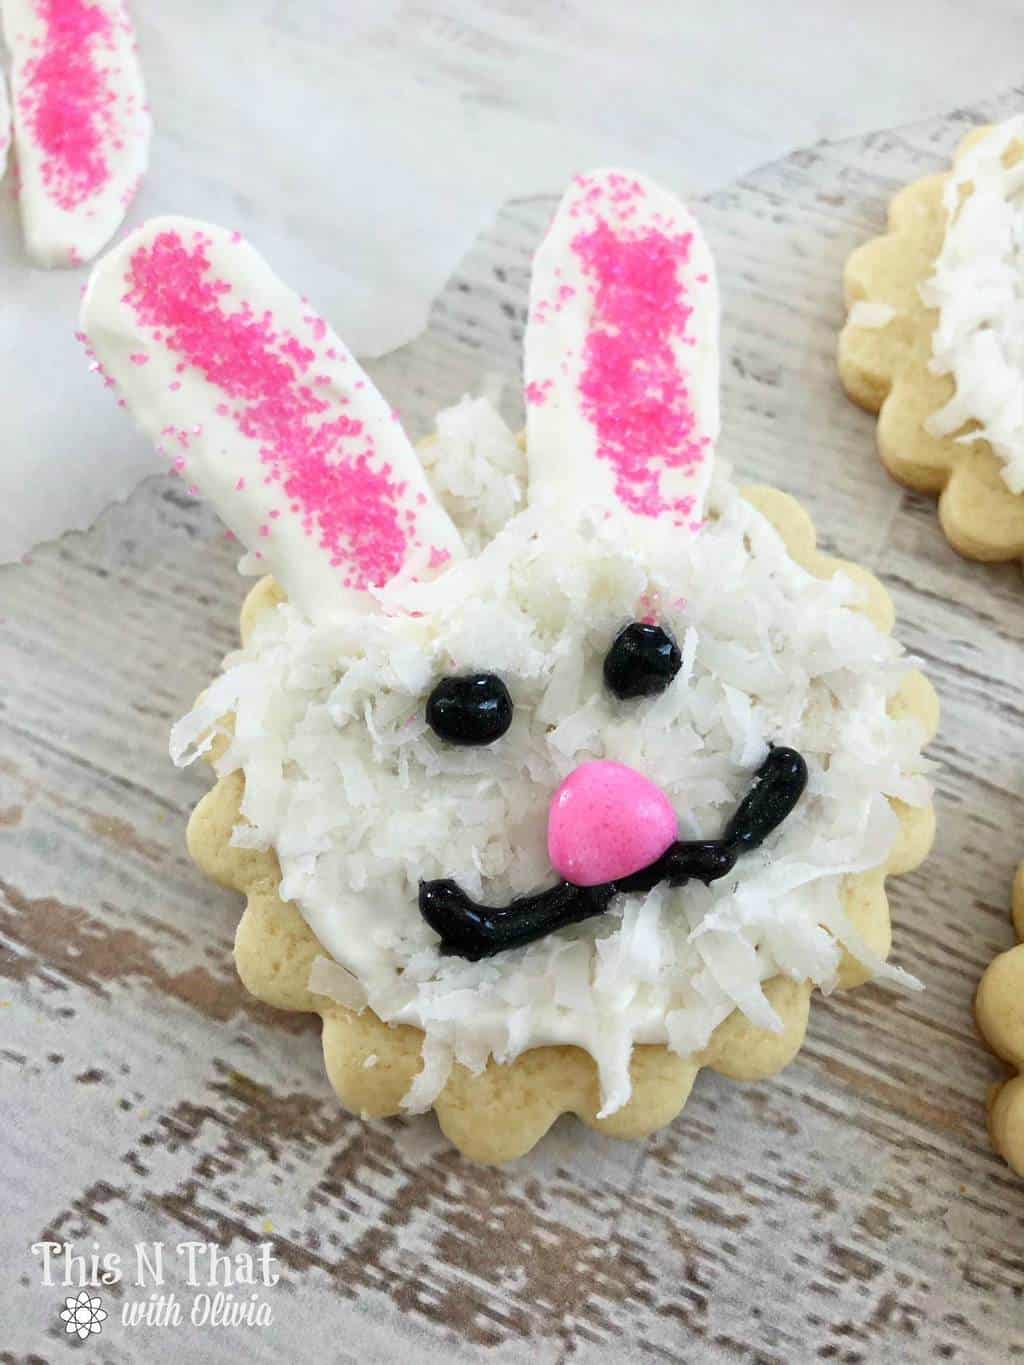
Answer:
[(567, 464), (239, 395), (360, 800), (71, 208), (978, 288)]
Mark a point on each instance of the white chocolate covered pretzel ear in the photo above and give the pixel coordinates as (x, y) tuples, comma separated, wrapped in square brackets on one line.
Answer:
[(5, 127), (81, 126), (621, 363), (266, 411)]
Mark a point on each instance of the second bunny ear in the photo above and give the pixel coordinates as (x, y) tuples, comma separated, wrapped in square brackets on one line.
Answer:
[(621, 354), (266, 411)]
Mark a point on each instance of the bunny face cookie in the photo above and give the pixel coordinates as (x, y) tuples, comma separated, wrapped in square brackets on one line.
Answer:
[(1000, 1012), (933, 342), (549, 778)]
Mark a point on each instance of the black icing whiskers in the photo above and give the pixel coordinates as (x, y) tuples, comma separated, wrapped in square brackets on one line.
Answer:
[(470, 930)]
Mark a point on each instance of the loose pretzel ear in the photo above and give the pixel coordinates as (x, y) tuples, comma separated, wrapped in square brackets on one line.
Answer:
[(81, 124), (266, 411), (5, 126), (621, 364)]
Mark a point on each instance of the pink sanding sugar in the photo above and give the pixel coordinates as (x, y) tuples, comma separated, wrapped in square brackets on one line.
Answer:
[(632, 388), (67, 102), (608, 821), (321, 461)]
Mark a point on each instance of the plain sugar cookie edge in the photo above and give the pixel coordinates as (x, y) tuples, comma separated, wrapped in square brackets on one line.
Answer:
[(999, 1011), (885, 370)]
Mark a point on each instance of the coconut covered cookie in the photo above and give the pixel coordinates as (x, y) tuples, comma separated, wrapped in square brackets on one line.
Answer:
[(934, 341), (1000, 1011), (554, 770)]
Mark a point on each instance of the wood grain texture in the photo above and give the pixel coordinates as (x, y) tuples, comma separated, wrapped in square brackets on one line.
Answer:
[(850, 1210)]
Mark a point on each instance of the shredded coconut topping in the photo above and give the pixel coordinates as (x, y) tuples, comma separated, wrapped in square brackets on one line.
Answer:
[(361, 800), (978, 288), (477, 468)]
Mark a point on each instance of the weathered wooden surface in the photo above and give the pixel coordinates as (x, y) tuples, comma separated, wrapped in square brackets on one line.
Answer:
[(850, 1210)]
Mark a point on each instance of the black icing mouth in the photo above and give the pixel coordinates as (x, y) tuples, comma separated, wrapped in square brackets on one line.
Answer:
[(470, 930)]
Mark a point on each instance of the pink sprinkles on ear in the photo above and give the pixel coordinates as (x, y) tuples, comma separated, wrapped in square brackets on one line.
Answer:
[(67, 103), (322, 464), (632, 388)]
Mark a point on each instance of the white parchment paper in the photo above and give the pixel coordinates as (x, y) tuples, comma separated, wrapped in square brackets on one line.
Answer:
[(362, 144)]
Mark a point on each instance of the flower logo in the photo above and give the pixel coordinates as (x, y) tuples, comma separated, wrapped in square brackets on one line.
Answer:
[(83, 1315)]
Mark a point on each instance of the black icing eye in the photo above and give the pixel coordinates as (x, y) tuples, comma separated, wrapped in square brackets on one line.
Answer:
[(474, 709), (642, 661)]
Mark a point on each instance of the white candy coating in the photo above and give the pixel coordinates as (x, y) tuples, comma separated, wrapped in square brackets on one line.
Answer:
[(264, 409), (81, 125), (621, 354)]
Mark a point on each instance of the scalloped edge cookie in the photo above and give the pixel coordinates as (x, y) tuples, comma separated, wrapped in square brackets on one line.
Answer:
[(502, 1112), (999, 1010), (885, 370)]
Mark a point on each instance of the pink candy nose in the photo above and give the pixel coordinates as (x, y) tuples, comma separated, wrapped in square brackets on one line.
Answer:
[(607, 821)]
